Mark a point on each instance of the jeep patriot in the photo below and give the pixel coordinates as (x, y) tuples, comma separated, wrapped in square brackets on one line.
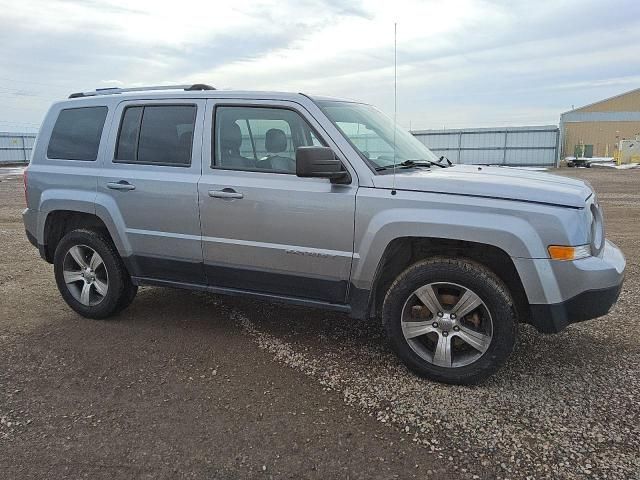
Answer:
[(318, 202)]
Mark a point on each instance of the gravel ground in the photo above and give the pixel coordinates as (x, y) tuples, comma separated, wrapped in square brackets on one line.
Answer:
[(138, 397)]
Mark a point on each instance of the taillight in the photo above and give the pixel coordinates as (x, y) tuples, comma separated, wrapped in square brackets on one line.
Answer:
[(24, 181)]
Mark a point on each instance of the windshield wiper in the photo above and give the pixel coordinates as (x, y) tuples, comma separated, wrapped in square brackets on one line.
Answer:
[(421, 163), (390, 167), (412, 164)]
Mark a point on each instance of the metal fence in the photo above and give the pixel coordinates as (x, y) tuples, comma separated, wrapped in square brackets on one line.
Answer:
[(516, 146), (16, 147), (535, 146)]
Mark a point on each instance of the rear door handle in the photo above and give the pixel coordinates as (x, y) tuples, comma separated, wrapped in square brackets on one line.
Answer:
[(121, 185), (227, 194)]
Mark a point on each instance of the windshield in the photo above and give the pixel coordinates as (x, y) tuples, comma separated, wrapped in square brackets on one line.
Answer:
[(371, 132)]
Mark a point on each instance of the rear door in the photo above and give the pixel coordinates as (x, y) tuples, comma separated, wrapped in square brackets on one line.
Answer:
[(150, 180), (265, 229)]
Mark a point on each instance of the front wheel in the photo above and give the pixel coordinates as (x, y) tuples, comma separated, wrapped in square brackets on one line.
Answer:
[(450, 320)]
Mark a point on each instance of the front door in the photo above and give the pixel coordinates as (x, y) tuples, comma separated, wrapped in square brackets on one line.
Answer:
[(151, 182), (263, 228)]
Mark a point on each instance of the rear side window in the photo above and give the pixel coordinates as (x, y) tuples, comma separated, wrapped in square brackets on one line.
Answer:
[(157, 135), (76, 134)]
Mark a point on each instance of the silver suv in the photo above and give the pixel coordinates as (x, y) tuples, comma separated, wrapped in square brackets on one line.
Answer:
[(312, 201)]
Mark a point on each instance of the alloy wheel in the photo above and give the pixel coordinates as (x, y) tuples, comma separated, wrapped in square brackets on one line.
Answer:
[(85, 275), (447, 324)]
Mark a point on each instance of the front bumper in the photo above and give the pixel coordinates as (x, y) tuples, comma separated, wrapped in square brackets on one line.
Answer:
[(586, 289), (584, 306)]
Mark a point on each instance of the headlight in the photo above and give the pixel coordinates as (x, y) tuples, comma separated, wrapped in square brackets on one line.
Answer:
[(597, 229), (562, 252)]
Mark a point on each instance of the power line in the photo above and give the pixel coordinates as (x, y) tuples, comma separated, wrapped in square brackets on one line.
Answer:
[(59, 85), (20, 124), (21, 93)]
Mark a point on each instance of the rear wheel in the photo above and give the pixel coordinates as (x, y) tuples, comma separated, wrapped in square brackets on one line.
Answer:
[(129, 294), (91, 276), (450, 320)]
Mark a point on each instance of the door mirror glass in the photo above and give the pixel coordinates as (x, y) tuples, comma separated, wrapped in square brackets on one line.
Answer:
[(320, 162)]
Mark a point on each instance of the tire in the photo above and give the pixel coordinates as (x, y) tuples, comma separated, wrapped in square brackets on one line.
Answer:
[(420, 337), (129, 294), (94, 286)]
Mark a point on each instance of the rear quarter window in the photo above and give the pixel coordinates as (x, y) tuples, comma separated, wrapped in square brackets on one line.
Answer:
[(76, 134)]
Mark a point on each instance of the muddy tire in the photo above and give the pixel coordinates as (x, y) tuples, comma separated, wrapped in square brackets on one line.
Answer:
[(91, 276), (451, 320)]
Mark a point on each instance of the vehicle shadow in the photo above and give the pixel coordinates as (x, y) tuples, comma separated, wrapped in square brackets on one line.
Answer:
[(361, 344)]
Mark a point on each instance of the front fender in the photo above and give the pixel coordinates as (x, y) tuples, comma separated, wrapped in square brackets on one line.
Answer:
[(521, 230)]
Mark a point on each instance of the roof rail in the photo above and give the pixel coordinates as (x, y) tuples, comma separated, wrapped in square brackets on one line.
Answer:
[(115, 90)]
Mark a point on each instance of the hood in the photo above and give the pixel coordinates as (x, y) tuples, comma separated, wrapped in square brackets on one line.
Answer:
[(491, 182)]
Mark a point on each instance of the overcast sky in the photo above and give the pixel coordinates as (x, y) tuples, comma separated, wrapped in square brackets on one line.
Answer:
[(461, 63)]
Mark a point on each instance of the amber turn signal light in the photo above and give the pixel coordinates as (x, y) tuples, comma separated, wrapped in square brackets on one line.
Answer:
[(561, 252)]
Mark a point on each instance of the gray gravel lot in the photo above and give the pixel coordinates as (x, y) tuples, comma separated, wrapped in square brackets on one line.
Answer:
[(301, 392)]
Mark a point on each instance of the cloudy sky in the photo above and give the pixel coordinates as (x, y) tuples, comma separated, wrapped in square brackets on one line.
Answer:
[(461, 63)]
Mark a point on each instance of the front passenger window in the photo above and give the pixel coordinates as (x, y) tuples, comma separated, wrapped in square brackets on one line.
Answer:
[(259, 139)]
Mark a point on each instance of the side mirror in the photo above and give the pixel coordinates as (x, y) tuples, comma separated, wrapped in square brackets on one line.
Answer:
[(320, 162)]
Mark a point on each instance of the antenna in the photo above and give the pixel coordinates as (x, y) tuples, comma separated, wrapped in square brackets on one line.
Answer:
[(395, 101)]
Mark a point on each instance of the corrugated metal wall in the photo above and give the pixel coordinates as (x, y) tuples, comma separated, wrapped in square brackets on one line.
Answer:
[(16, 147), (518, 146), (603, 130), (535, 146), (604, 136)]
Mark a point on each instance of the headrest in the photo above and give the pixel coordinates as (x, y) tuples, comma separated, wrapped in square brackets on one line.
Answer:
[(275, 141), (230, 136)]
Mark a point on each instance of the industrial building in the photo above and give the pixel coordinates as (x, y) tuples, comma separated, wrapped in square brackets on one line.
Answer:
[(595, 130)]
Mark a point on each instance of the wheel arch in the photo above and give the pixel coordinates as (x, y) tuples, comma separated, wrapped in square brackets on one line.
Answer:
[(57, 223), (402, 252)]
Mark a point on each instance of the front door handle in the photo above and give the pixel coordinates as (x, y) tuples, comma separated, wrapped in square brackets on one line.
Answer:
[(121, 185), (226, 194)]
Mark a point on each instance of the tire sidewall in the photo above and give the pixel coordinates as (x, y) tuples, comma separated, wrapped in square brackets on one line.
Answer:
[(466, 274), (116, 280)]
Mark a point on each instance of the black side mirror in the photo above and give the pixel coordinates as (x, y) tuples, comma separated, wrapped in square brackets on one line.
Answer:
[(320, 162)]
